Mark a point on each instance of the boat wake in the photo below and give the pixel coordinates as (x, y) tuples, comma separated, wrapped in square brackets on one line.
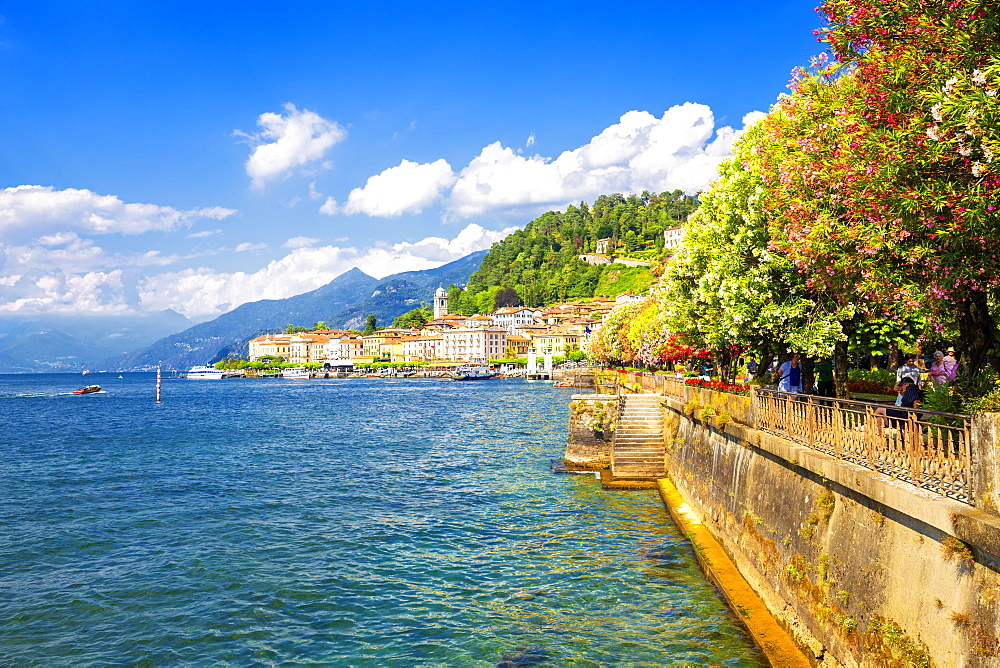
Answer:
[(42, 395)]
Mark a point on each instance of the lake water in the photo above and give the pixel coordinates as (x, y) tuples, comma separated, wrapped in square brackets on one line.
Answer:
[(345, 522)]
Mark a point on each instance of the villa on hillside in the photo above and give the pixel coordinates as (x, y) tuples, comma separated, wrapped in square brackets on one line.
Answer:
[(512, 317)]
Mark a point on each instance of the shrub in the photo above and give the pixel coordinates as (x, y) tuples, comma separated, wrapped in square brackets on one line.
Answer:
[(884, 376)]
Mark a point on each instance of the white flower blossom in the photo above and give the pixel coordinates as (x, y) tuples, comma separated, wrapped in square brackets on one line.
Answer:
[(978, 77), (978, 169), (934, 133), (936, 112)]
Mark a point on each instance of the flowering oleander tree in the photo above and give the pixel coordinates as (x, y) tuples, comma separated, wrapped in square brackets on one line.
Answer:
[(636, 334), (879, 167), (729, 286)]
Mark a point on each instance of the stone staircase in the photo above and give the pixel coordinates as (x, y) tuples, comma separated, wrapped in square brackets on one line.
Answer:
[(638, 450)]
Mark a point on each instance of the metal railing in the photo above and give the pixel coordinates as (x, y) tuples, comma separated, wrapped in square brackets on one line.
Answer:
[(924, 448), (673, 386)]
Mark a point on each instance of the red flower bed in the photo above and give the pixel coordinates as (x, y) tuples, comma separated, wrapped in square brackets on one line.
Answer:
[(869, 387), (718, 385)]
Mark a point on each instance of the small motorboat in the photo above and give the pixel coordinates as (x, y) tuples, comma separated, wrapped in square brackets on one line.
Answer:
[(90, 389)]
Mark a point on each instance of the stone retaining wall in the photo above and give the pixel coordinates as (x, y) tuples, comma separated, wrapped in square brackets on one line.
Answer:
[(863, 569), (591, 421)]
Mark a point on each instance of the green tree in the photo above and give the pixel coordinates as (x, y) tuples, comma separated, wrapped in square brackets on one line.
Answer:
[(370, 323), (414, 319), (506, 297)]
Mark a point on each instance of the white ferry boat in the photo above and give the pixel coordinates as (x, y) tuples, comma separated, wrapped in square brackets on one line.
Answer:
[(472, 372), (299, 372), (205, 373)]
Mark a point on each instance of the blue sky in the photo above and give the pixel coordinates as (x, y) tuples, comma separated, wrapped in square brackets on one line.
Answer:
[(195, 156)]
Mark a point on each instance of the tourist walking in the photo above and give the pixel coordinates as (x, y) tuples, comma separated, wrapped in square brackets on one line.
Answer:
[(941, 371), (824, 378), (789, 375)]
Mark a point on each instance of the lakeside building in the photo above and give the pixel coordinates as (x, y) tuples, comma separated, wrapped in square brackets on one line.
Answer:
[(374, 342), (269, 345), (423, 348), (557, 343), (517, 345), (558, 329), (348, 348), (307, 348), (470, 344)]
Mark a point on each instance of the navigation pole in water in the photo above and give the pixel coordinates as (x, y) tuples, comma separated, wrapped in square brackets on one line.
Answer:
[(158, 382)]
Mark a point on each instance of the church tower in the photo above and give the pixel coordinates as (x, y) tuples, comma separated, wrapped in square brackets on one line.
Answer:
[(440, 303)]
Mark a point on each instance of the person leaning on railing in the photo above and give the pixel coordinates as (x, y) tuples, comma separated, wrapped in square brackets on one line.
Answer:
[(909, 395)]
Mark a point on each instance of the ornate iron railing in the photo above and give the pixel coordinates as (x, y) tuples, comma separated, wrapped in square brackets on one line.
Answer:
[(924, 448)]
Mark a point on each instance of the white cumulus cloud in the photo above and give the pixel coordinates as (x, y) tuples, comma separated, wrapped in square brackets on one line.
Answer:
[(409, 187), (32, 211), (681, 150), (287, 142), (299, 242)]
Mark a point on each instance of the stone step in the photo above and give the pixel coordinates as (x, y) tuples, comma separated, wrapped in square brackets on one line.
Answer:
[(638, 444)]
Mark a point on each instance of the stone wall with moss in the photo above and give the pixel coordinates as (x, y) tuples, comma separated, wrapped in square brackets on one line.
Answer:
[(863, 569), (592, 422)]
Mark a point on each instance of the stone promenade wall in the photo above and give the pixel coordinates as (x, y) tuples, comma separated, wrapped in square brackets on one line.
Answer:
[(592, 419), (863, 569)]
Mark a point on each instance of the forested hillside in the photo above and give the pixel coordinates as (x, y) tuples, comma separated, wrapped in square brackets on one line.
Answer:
[(541, 262)]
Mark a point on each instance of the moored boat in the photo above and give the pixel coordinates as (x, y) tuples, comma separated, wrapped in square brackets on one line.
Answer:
[(296, 373), (90, 389), (473, 372), (205, 373)]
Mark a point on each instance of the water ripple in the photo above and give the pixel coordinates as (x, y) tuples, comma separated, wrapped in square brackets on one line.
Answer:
[(347, 522)]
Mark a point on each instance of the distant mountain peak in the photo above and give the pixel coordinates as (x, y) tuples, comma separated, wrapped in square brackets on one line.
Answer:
[(342, 303)]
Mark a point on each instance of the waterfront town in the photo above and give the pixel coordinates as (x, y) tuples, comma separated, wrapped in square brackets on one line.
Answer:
[(508, 332)]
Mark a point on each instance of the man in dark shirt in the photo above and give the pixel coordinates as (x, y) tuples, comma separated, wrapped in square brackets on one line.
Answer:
[(910, 394)]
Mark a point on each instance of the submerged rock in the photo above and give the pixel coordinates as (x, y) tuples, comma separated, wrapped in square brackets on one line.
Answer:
[(522, 657)]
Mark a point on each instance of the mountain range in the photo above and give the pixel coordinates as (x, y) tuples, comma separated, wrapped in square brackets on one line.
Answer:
[(31, 344), (343, 303)]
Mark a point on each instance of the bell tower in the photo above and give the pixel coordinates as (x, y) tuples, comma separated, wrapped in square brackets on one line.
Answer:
[(440, 303)]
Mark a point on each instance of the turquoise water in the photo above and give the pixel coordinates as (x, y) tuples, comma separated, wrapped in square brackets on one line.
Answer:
[(346, 522)]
